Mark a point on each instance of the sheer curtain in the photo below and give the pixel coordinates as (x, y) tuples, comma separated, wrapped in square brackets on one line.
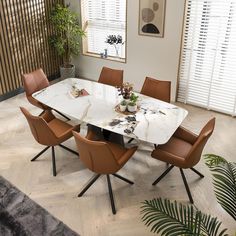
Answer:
[(207, 74)]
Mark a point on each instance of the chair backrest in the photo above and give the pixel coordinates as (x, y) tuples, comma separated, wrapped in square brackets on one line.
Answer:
[(40, 129), (34, 81), (157, 89), (195, 154), (96, 155), (111, 77)]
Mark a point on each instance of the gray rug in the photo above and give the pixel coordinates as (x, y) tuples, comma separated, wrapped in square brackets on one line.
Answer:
[(21, 216)]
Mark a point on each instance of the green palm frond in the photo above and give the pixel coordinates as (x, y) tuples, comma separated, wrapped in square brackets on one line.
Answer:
[(210, 225), (224, 181), (174, 219), (212, 160)]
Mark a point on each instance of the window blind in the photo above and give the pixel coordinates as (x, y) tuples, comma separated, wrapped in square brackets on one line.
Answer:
[(207, 75), (103, 18)]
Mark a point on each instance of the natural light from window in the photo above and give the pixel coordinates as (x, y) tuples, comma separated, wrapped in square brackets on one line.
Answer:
[(101, 19)]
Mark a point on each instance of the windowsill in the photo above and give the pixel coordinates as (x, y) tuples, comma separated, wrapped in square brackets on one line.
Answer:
[(121, 60)]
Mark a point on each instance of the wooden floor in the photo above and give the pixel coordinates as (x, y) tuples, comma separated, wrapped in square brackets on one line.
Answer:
[(91, 214)]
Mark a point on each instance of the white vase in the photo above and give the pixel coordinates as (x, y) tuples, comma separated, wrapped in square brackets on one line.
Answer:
[(132, 108), (122, 108)]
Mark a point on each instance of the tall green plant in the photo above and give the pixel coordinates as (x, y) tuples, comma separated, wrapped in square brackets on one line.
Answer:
[(68, 33), (177, 219), (224, 181)]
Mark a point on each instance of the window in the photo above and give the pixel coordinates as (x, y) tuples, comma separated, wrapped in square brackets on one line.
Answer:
[(101, 18), (207, 74)]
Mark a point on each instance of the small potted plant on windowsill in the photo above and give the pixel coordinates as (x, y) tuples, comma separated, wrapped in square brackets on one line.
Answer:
[(132, 105), (66, 38)]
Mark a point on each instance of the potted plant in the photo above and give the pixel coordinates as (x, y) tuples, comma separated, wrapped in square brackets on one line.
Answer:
[(132, 105), (67, 37), (125, 91), (173, 218), (123, 106), (115, 40)]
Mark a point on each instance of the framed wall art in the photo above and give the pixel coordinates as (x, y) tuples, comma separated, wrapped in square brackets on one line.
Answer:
[(152, 17)]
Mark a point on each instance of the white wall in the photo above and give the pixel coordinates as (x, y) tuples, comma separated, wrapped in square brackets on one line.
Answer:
[(146, 56)]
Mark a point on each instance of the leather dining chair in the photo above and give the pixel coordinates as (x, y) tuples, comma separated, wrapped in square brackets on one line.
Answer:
[(111, 77), (157, 89), (184, 151), (103, 158), (49, 131), (33, 82)]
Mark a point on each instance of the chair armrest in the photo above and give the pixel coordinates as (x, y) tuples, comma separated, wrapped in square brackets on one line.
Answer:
[(127, 155), (186, 135)]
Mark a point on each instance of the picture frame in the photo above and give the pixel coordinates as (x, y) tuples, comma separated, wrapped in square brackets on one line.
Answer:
[(152, 17)]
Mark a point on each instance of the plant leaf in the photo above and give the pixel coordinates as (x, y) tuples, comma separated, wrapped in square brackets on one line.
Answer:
[(174, 219), (224, 182)]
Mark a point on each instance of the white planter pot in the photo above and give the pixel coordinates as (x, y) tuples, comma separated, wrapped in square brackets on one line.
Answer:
[(122, 108), (132, 108), (67, 72)]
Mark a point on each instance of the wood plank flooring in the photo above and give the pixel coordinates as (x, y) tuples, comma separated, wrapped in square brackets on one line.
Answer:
[(91, 214)]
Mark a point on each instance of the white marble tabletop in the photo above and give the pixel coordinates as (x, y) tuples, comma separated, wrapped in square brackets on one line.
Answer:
[(155, 122)]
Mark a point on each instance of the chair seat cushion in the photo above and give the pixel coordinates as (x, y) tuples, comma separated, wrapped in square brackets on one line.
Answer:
[(174, 151), (60, 127)]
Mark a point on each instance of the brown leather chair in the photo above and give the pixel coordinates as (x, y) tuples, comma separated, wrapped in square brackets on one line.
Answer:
[(157, 89), (49, 131), (33, 82), (111, 77), (184, 151), (103, 158)]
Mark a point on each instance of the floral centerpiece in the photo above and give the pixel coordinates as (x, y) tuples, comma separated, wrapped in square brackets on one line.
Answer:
[(126, 90), (116, 41), (129, 98)]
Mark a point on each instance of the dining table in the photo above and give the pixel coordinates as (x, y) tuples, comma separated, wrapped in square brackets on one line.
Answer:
[(155, 121)]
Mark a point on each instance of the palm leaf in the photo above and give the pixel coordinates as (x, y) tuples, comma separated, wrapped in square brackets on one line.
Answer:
[(212, 160), (174, 219), (224, 181)]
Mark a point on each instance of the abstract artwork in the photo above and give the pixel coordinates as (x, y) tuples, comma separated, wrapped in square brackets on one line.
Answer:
[(152, 17)]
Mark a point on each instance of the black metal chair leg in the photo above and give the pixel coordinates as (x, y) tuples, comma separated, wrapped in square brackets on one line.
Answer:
[(124, 179), (61, 114), (111, 195), (69, 150), (131, 140), (163, 175), (197, 172), (186, 185), (39, 154), (53, 162), (91, 182)]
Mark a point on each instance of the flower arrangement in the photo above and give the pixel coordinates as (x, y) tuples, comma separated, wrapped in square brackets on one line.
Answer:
[(115, 40), (125, 90)]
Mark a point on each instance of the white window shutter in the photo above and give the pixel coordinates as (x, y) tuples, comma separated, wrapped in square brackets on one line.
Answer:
[(208, 63)]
